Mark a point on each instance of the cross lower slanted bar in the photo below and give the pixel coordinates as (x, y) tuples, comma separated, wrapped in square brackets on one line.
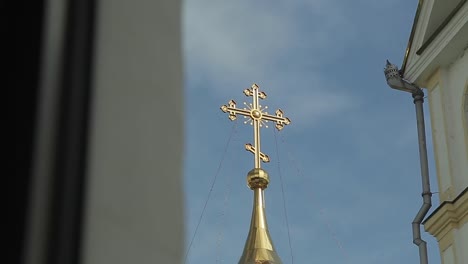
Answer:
[(257, 116)]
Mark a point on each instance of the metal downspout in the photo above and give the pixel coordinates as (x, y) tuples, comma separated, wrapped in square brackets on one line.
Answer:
[(426, 194)]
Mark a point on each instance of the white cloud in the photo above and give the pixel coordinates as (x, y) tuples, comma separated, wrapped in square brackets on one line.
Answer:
[(310, 108), (232, 38), (243, 37), (235, 43)]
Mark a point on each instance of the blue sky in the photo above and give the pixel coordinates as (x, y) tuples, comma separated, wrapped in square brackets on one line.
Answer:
[(349, 160)]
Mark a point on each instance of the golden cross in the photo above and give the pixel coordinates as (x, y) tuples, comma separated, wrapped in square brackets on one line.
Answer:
[(257, 117)]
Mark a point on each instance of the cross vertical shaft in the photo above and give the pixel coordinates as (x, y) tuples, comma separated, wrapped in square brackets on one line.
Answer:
[(258, 117), (259, 246), (256, 127)]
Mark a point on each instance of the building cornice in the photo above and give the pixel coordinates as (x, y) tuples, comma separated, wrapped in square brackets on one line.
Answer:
[(448, 216), (440, 27), (445, 48), (434, 37), (413, 31)]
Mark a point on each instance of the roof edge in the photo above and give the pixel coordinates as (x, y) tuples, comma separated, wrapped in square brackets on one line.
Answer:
[(410, 41), (444, 203), (441, 27)]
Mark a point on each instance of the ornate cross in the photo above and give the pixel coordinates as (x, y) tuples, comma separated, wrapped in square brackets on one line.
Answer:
[(257, 117)]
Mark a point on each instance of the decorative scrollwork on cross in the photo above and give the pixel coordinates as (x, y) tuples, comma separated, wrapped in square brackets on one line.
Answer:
[(257, 117)]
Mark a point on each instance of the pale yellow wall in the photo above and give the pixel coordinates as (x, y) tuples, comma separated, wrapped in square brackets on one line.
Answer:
[(449, 225), (439, 140), (452, 245), (456, 78), (446, 89), (461, 243), (448, 256)]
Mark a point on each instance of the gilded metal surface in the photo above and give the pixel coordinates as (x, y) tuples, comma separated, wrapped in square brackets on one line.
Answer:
[(257, 117), (259, 246), (258, 178), (263, 157)]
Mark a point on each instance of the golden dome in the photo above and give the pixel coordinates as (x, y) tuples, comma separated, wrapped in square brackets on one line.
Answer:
[(259, 247)]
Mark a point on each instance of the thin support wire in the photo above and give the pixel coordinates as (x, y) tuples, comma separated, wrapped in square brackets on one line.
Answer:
[(233, 130), (333, 234), (321, 210), (284, 198), (223, 214), (223, 221)]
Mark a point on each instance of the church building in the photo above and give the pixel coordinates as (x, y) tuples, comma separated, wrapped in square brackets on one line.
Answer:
[(436, 59)]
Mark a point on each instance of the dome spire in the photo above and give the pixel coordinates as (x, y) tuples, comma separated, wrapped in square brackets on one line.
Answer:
[(259, 247)]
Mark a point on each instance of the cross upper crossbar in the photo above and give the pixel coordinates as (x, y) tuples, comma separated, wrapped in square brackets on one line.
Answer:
[(258, 117)]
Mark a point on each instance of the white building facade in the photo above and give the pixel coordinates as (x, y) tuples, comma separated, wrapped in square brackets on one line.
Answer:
[(436, 59)]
